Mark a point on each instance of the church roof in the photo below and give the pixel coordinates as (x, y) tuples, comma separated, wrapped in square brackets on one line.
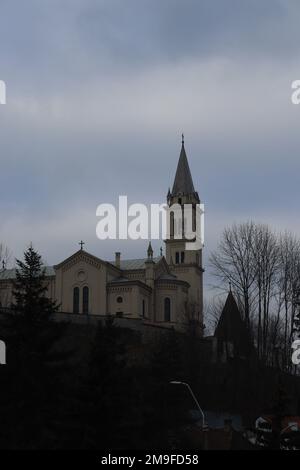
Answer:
[(121, 280), (183, 183), (167, 277), (127, 264)]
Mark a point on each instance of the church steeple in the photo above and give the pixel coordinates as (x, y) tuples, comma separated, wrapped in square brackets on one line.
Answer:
[(184, 262), (183, 183)]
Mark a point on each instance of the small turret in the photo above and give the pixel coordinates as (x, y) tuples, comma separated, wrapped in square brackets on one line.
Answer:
[(150, 252)]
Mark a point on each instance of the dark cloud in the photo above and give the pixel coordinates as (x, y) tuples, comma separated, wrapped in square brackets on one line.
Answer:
[(55, 41)]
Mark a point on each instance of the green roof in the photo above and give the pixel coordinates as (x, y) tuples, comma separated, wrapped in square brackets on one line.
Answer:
[(128, 264)]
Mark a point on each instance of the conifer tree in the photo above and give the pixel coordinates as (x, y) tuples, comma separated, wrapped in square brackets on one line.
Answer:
[(31, 381), (106, 390)]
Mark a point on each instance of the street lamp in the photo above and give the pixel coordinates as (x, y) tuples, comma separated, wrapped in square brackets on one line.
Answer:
[(176, 382)]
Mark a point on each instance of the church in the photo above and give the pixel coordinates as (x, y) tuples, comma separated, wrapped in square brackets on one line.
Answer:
[(163, 290)]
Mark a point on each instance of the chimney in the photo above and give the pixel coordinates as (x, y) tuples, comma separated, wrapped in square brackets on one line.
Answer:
[(118, 259)]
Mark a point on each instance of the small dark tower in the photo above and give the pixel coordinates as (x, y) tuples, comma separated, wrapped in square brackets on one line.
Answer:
[(231, 332)]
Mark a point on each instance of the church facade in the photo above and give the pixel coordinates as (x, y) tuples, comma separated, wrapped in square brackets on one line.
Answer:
[(164, 290)]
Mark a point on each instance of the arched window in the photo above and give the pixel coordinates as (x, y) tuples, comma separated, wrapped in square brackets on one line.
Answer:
[(194, 219), (172, 224), (85, 300), (167, 309), (76, 300)]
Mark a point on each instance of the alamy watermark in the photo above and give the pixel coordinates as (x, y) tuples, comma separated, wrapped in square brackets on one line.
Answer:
[(296, 331), (2, 353), (295, 96), (296, 352), (2, 92), (155, 222)]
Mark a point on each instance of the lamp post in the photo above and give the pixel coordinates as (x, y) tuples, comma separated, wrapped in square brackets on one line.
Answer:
[(176, 382)]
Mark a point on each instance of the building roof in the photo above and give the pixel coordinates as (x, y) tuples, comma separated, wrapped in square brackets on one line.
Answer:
[(167, 277), (128, 264), (120, 281), (183, 183), (7, 274)]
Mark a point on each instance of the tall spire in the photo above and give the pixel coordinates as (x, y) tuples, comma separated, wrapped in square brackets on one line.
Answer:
[(183, 183)]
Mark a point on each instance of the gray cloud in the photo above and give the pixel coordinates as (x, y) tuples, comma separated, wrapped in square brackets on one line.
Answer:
[(100, 91)]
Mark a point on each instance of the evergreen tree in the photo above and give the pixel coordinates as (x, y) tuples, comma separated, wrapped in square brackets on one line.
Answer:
[(106, 396), (279, 409), (162, 409), (31, 385)]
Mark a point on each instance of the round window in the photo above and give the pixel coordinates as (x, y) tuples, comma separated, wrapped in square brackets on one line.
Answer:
[(81, 275), (119, 300)]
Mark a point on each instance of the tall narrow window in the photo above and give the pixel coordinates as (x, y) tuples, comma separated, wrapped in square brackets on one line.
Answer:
[(194, 219), (167, 309), (177, 257), (85, 300), (182, 257), (76, 300), (172, 224)]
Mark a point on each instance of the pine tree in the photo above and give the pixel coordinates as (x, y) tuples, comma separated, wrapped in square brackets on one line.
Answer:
[(30, 288), (31, 389), (105, 396), (279, 409), (161, 407)]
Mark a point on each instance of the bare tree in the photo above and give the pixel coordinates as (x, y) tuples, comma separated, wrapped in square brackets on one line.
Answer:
[(264, 270), (191, 319), (233, 263), (288, 283), (266, 260), (212, 312)]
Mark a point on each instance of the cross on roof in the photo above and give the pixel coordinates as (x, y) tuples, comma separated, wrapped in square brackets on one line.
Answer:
[(81, 243)]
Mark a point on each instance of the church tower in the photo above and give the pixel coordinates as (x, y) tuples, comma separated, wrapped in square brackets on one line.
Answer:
[(185, 264)]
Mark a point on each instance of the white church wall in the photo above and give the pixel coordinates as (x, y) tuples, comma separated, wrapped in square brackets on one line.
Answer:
[(82, 274)]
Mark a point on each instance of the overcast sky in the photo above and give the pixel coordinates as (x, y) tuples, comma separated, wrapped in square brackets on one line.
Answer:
[(99, 91)]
